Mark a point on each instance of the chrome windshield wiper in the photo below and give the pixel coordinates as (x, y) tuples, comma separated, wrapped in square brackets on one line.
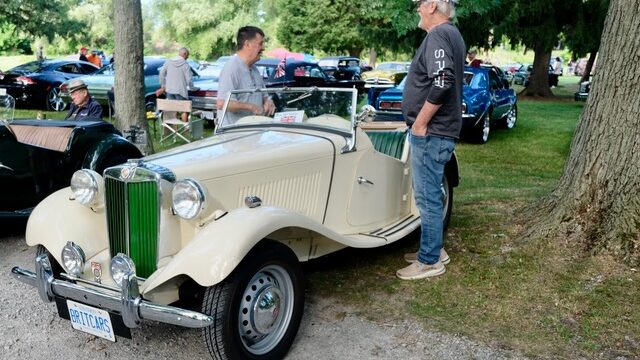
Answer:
[(303, 96)]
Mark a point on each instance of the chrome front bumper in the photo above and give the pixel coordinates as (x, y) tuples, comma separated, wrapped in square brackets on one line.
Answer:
[(125, 301)]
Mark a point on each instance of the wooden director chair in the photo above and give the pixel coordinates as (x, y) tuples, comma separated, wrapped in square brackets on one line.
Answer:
[(171, 124)]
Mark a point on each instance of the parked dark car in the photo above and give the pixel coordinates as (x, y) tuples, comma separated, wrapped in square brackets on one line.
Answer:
[(341, 67), (583, 91), (388, 102), (522, 76), (38, 157), (487, 101), (205, 98), (295, 73), (102, 82), (36, 83)]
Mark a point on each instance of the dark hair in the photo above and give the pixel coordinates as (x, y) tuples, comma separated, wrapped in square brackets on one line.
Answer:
[(247, 33)]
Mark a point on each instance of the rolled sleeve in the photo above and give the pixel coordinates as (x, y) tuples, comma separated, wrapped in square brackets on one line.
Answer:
[(440, 65)]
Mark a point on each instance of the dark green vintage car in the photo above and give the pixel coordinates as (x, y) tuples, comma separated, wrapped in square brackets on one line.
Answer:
[(38, 157)]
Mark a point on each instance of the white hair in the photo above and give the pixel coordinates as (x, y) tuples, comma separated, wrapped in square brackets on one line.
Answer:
[(445, 7)]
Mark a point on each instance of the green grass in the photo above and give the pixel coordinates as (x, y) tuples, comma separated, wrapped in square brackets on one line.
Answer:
[(539, 297)]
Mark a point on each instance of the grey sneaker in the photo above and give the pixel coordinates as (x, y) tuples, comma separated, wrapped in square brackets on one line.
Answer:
[(418, 270), (413, 257)]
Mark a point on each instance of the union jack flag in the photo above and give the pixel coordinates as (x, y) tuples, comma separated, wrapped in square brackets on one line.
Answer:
[(280, 68)]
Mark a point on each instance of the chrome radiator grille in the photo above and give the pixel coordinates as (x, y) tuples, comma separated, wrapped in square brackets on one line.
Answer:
[(133, 213)]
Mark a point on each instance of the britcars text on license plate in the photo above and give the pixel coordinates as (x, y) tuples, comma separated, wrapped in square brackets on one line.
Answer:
[(90, 320)]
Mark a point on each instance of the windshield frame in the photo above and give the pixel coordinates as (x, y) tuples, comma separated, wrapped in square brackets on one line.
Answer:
[(349, 135)]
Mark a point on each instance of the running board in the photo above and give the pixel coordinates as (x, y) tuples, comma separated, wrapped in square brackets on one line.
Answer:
[(389, 234)]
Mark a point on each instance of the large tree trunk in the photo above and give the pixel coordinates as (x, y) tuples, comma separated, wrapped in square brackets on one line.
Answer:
[(129, 77), (589, 66), (539, 82), (597, 201)]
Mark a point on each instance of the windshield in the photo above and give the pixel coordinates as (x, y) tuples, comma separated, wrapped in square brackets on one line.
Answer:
[(475, 81), (322, 108), (106, 70), (150, 68), (30, 67)]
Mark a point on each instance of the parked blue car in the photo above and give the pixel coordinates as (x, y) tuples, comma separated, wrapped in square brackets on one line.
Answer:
[(488, 101)]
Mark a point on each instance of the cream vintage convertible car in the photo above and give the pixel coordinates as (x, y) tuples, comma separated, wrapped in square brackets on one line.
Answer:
[(225, 222)]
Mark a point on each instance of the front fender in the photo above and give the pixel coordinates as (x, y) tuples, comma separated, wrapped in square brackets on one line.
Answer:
[(218, 248), (51, 226)]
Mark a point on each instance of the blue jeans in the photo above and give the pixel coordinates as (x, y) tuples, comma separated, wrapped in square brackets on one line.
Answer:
[(429, 155)]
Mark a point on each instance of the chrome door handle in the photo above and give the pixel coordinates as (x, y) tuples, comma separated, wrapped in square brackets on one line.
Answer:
[(362, 180)]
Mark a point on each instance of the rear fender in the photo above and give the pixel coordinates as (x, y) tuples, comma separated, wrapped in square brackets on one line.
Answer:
[(218, 248)]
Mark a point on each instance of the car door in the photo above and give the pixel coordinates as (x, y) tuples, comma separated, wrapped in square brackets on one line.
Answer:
[(499, 95), (27, 173), (380, 189)]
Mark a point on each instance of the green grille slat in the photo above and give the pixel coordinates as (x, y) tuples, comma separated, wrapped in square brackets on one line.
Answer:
[(132, 219), (116, 216), (143, 226)]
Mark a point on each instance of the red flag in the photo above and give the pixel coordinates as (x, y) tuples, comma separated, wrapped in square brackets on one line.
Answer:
[(280, 69)]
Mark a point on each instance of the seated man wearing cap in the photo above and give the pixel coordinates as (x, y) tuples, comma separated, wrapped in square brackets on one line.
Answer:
[(83, 107)]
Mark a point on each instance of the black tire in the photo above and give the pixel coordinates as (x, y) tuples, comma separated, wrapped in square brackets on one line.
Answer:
[(480, 132), (447, 199), (509, 120), (269, 273), (53, 100)]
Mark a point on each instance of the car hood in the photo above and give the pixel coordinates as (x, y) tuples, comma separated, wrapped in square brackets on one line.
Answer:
[(380, 74), (246, 151)]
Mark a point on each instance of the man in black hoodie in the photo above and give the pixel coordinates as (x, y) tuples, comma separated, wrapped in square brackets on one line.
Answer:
[(175, 78)]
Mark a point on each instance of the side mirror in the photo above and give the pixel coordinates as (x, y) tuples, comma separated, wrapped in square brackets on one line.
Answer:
[(505, 83), (367, 114)]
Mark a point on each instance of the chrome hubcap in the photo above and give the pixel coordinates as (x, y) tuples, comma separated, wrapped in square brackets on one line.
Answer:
[(485, 129), (266, 309), (511, 118), (55, 101), (444, 196)]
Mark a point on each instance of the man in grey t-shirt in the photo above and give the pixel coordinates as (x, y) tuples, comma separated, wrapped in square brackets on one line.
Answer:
[(239, 73), (432, 106)]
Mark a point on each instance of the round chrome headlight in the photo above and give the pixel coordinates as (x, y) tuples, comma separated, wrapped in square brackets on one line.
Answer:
[(73, 258), (121, 265), (86, 185), (188, 198)]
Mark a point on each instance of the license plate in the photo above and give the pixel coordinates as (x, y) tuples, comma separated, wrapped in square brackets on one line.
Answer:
[(91, 320)]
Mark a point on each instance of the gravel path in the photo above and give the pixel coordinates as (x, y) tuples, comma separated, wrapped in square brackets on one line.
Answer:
[(31, 329)]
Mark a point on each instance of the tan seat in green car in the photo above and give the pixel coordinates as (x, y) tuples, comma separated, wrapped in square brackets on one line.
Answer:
[(388, 142)]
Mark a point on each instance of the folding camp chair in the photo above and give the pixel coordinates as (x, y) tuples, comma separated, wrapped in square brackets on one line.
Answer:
[(171, 124)]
